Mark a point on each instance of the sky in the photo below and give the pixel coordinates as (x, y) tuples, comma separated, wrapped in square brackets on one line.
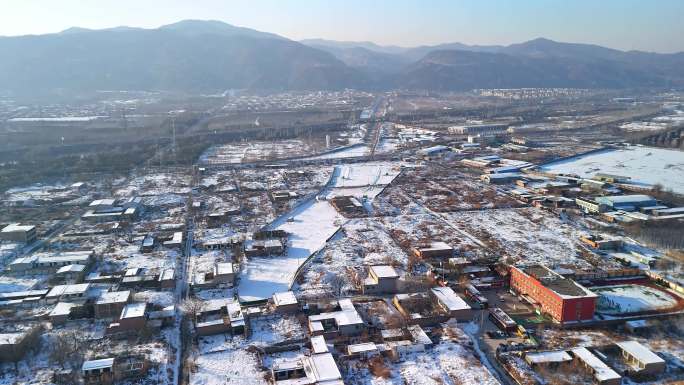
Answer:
[(649, 25)]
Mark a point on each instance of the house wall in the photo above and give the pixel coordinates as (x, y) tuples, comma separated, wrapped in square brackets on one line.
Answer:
[(562, 310)]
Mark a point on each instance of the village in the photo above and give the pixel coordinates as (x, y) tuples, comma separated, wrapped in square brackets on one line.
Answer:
[(391, 252)]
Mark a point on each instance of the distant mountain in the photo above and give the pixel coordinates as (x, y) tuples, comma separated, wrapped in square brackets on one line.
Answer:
[(405, 53), (464, 70), (207, 56), (185, 56), (536, 63), (391, 49), (367, 60), (213, 27)]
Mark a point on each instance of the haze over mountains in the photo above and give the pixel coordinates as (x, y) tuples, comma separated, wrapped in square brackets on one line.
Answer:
[(206, 56)]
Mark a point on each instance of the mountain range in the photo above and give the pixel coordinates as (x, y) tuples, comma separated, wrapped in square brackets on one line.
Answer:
[(205, 56)]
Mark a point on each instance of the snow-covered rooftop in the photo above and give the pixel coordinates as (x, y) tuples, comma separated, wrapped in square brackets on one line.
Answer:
[(17, 227), (601, 371), (98, 364), (321, 368), (284, 298), (113, 297), (384, 271), (318, 344), (449, 299), (133, 310), (640, 352), (548, 357)]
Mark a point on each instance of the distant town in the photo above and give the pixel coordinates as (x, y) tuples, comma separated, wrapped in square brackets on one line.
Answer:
[(523, 236)]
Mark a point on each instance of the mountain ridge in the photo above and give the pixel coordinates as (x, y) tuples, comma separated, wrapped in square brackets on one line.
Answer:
[(201, 56)]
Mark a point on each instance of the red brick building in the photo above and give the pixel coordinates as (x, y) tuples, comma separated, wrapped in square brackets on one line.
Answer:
[(562, 298)]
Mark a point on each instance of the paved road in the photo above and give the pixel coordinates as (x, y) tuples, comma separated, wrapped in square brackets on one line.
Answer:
[(180, 295)]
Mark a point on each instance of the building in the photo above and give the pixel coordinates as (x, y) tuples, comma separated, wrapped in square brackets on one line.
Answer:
[(285, 302), (382, 279), (167, 279), (344, 322), (110, 304), (433, 307), (439, 250), (315, 369), (283, 196), (500, 178), (67, 292), (70, 274), (590, 206), (176, 240), (451, 303), (263, 247), (642, 360), (59, 315), (224, 274), (220, 316), (51, 261), (603, 374), (98, 372), (433, 152), (363, 350), (133, 318), (627, 202), (547, 359), (349, 206), (14, 344), (19, 233), (561, 298), (601, 243), (478, 129), (611, 178)]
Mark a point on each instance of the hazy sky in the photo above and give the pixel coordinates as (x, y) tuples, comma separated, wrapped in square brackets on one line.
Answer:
[(652, 25)]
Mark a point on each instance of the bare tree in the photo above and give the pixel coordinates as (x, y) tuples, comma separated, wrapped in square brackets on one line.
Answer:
[(66, 348), (337, 285), (192, 307)]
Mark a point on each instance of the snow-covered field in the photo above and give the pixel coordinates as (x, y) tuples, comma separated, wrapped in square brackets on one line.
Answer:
[(150, 185), (254, 151), (447, 363), (364, 241), (632, 298), (9, 283), (234, 366), (353, 151), (365, 174), (451, 361), (311, 225), (646, 165), (526, 234)]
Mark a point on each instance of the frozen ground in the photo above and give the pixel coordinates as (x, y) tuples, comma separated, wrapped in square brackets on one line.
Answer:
[(275, 329), (309, 228), (631, 299), (643, 164), (526, 234), (159, 187), (37, 192), (363, 180), (255, 151), (227, 365), (365, 174), (353, 151), (451, 361), (364, 241), (10, 283), (311, 225)]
